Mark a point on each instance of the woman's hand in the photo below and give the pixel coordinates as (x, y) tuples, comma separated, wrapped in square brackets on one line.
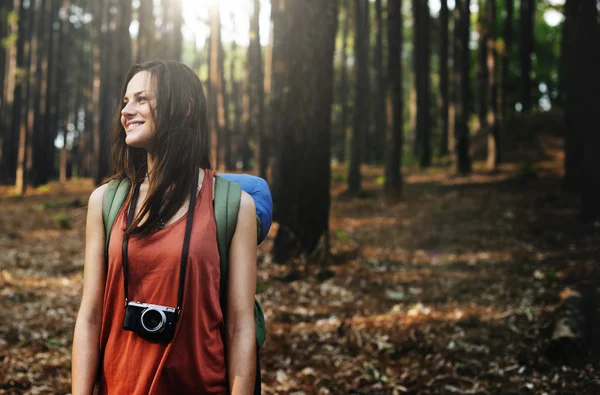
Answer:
[(86, 339), (241, 333)]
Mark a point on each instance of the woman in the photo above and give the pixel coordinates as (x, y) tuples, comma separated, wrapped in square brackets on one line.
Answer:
[(161, 144)]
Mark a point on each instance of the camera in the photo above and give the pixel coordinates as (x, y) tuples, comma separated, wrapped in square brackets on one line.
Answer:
[(152, 322)]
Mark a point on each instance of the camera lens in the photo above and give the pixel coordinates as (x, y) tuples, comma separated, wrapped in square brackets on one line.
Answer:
[(153, 320)]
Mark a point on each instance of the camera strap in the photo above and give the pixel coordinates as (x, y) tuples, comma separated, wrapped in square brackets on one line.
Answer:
[(186, 240)]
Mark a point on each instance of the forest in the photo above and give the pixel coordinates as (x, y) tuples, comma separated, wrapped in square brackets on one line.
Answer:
[(435, 186)]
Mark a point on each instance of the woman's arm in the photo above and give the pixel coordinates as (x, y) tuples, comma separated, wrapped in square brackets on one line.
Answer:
[(241, 336), (86, 339)]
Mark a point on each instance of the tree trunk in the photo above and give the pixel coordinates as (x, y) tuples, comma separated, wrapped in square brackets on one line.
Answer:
[(583, 103), (361, 89), (527, 12), (379, 91), (61, 98), (145, 40), (341, 142), (422, 76), (482, 68), (256, 95), (216, 102), (493, 154), (461, 128), (504, 105), (444, 97), (11, 141), (573, 181), (6, 107), (302, 211), (394, 100), (21, 110)]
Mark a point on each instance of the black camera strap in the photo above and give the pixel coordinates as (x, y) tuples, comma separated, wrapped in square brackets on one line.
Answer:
[(186, 241)]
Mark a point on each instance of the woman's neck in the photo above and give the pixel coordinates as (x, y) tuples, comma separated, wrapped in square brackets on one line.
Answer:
[(150, 162)]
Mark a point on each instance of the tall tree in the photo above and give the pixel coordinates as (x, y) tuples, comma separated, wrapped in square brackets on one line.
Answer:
[(493, 154), (505, 55), (215, 89), (462, 63), (256, 95), (361, 95), (482, 67), (422, 80), (345, 10), (394, 102), (379, 89), (20, 111), (145, 40), (302, 192), (583, 103), (444, 97), (8, 90), (527, 12)]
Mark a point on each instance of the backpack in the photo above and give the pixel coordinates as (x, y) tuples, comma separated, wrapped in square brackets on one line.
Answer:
[(226, 207)]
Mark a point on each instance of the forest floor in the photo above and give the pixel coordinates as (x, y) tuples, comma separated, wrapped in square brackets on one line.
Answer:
[(450, 289)]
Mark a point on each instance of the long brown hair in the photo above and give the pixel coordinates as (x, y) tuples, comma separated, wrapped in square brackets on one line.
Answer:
[(180, 145)]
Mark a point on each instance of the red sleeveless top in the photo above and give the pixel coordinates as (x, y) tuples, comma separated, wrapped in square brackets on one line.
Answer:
[(194, 361)]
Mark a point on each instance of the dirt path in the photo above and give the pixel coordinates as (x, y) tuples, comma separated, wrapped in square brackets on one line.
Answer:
[(448, 290)]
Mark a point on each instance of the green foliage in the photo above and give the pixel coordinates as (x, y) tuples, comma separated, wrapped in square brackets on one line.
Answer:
[(372, 372), (51, 204), (62, 221), (342, 235), (380, 180), (339, 177), (44, 188), (527, 170), (260, 288)]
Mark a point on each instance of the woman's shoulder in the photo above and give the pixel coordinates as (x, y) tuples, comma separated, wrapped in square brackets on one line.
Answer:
[(97, 196)]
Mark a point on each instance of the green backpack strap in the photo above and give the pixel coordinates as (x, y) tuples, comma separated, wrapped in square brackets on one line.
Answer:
[(114, 197), (227, 205)]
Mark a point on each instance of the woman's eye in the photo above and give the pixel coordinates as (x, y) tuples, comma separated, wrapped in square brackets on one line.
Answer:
[(141, 98)]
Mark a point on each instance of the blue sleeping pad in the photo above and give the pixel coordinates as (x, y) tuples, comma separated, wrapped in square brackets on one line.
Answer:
[(259, 190)]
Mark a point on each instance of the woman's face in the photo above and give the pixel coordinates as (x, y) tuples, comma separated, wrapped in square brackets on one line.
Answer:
[(136, 116)]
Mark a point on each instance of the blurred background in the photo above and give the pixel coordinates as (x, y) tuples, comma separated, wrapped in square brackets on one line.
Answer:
[(433, 164)]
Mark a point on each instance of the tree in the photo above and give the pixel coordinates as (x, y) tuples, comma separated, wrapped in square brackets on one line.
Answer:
[(302, 189), (527, 12), (461, 58), (379, 91), (493, 155), (394, 102), (256, 95), (343, 84), (361, 95), (444, 96), (505, 53), (146, 31), (422, 80), (584, 104)]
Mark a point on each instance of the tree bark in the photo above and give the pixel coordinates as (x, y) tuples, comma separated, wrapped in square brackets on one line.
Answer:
[(8, 88), (145, 39), (494, 153), (461, 128), (303, 211), (444, 94), (217, 102), (256, 95), (583, 103), (20, 114), (527, 12), (394, 100), (379, 91), (482, 69), (341, 142), (504, 105), (361, 89), (422, 76)]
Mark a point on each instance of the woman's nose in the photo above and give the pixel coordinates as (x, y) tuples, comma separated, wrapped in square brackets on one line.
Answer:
[(127, 110)]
